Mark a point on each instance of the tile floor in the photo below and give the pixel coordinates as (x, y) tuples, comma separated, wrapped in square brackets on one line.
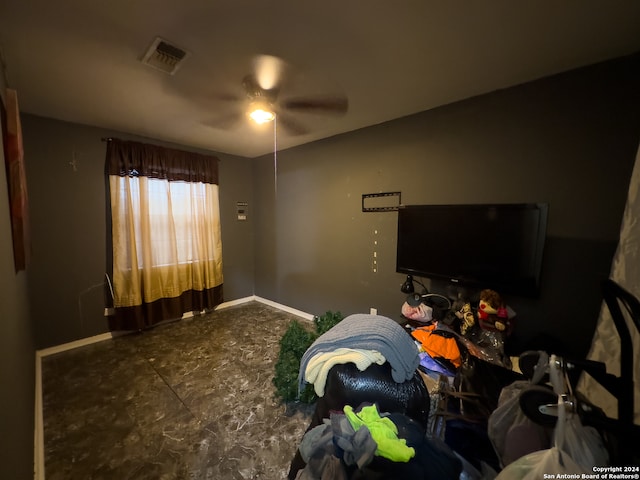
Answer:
[(192, 399)]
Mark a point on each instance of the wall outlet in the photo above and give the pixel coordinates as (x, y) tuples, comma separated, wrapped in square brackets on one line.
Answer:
[(373, 311)]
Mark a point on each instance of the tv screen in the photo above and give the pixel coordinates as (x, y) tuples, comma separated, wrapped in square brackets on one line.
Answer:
[(498, 246)]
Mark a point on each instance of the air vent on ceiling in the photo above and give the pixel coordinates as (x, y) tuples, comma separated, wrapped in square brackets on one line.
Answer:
[(164, 56)]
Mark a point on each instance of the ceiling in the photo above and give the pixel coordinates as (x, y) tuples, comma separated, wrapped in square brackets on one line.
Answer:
[(80, 61)]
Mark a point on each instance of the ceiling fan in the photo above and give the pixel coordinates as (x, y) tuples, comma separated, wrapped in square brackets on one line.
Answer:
[(270, 93)]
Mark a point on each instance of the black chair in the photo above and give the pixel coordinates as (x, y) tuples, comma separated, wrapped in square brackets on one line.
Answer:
[(346, 385)]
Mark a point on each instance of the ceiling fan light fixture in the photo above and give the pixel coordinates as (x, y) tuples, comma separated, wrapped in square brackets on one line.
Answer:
[(260, 112)]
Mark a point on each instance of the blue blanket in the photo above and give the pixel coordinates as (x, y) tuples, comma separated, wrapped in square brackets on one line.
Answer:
[(368, 332)]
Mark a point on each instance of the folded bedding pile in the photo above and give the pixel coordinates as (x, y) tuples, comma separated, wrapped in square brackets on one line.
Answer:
[(363, 340)]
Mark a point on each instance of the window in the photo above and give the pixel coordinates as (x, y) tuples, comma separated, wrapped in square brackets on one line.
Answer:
[(165, 229)]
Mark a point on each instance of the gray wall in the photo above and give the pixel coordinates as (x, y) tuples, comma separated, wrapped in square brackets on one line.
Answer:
[(569, 140), (67, 206), (17, 352)]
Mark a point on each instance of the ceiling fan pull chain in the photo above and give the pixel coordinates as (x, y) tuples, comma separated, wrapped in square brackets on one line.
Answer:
[(275, 156)]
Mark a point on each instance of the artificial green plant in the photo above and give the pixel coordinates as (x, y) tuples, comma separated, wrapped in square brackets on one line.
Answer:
[(295, 341)]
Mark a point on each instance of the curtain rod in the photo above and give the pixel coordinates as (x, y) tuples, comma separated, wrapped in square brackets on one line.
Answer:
[(106, 139)]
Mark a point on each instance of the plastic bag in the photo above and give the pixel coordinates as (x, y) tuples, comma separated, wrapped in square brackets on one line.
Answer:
[(582, 443), (535, 465), (577, 448), (511, 432)]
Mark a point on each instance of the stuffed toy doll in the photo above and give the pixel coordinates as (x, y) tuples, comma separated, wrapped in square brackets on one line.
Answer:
[(415, 309), (492, 312), (466, 317), (494, 322)]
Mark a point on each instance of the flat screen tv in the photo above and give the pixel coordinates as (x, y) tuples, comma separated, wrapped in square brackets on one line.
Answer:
[(498, 246)]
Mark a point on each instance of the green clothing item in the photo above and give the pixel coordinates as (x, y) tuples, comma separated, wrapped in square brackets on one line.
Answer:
[(383, 431)]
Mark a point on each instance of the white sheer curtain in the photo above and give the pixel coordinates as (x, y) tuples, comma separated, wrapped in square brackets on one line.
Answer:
[(166, 238), (625, 271)]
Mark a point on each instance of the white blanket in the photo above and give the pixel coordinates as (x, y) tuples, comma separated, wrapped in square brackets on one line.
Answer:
[(319, 365)]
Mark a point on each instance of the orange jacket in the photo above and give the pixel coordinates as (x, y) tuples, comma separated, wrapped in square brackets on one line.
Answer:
[(438, 343)]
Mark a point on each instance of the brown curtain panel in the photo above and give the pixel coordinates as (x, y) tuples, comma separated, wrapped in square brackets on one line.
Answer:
[(165, 250)]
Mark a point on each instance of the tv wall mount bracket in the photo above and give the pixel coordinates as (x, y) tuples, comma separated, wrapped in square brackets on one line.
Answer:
[(381, 202)]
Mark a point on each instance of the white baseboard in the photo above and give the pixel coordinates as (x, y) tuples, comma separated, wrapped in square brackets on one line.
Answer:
[(279, 306), (237, 301), (284, 308), (38, 456), (75, 344), (38, 436)]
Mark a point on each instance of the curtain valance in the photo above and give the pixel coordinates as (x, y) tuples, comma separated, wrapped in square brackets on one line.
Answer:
[(129, 158)]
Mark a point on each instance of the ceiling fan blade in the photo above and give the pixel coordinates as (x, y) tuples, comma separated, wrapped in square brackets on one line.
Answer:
[(268, 71), (331, 105), (224, 97), (225, 122), (290, 125)]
